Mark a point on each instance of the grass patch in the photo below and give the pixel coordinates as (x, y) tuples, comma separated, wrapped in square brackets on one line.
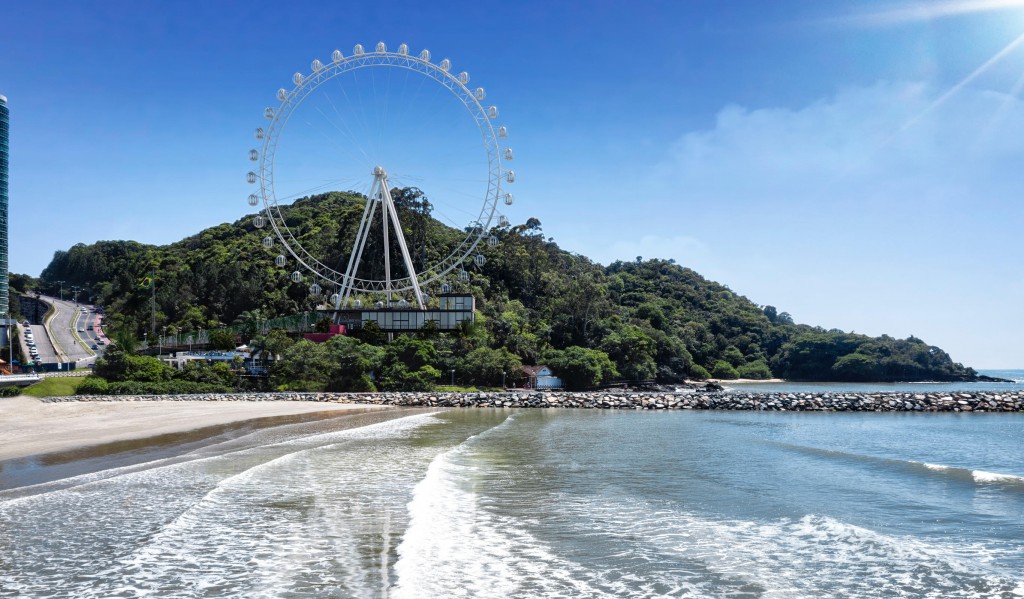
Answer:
[(457, 389), (55, 386)]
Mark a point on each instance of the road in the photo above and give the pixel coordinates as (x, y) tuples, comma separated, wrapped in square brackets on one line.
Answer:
[(43, 345), (75, 331)]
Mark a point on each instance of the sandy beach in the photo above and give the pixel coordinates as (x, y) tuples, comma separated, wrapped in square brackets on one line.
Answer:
[(31, 427)]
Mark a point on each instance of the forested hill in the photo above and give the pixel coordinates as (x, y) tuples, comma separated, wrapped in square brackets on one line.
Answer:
[(651, 318)]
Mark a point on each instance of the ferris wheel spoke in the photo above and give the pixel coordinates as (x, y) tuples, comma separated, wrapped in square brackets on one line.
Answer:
[(310, 190), (346, 134), (375, 127), (374, 156), (357, 113)]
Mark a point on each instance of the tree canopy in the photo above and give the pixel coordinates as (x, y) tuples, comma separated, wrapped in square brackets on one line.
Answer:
[(634, 320)]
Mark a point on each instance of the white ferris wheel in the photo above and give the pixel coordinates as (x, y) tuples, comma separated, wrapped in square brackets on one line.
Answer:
[(377, 120)]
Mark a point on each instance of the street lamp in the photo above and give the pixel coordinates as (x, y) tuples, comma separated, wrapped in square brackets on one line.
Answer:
[(453, 377), (160, 343), (61, 290), (503, 373)]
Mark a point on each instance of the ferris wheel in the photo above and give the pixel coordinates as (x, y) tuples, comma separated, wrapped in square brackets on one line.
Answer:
[(334, 105)]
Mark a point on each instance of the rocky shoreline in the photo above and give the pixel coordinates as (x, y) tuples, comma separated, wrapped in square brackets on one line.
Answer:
[(625, 400)]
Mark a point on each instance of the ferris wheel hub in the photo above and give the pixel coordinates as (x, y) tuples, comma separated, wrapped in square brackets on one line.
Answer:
[(459, 252)]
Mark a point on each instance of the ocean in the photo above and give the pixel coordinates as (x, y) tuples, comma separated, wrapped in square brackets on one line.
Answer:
[(543, 503), (1016, 378)]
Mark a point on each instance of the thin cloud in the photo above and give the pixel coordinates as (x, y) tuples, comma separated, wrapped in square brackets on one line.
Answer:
[(923, 11), (955, 89)]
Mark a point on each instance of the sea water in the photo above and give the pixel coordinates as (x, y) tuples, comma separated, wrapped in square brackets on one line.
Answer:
[(1015, 378), (545, 503)]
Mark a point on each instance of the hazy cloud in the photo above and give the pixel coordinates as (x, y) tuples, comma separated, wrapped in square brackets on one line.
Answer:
[(834, 213)]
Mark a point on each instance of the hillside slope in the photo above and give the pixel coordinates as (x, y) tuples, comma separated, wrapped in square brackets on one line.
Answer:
[(653, 318)]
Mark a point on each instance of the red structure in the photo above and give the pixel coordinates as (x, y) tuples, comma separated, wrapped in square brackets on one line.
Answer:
[(334, 329)]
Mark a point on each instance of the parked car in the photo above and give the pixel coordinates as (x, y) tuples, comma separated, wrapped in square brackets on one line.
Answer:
[(94, 346)]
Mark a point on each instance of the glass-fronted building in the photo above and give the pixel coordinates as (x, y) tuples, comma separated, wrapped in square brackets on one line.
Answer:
[(5, 122)]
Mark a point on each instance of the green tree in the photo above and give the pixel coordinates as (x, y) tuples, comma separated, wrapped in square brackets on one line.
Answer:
[(277, 342), (399, 377), (856, 367), (754, 370), (199, 371), (305, 366), (408, 364), (724, 370), (222, 339), (733, 356), (581, 368), (632, 351), (699, 372), (353, 361), (490, 367), (119, 365)]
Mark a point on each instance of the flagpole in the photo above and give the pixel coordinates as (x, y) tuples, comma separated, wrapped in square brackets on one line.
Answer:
[(152, 302)]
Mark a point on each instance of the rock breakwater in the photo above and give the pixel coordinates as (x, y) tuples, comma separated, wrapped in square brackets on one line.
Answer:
[(624, 400)]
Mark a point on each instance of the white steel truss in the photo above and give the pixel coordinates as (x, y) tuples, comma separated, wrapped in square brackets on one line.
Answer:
[(380, 193), (347, 282)]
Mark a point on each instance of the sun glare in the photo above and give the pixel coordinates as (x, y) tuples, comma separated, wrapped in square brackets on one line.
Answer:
[(929, 11)]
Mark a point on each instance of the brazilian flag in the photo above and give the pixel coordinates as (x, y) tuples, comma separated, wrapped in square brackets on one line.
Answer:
[(146, 283)]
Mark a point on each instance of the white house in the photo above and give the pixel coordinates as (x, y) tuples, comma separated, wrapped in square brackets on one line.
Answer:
[(541, 377)]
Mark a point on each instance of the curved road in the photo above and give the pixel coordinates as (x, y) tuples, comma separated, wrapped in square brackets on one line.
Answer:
[(70, 327)]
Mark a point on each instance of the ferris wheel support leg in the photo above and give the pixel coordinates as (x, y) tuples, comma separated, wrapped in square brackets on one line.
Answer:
[(362, 233), (387, 246), (389, 205)]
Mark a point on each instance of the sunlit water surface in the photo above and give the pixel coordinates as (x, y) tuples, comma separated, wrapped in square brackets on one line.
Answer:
[(546, 503)]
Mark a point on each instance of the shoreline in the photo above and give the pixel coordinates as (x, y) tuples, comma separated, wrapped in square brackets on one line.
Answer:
[(33, 427), (689, 399), (74, 428)]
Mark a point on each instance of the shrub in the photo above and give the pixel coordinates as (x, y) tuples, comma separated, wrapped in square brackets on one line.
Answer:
[(198, 371), (699, 372), (856, 367), (754, 370), (93, 385), (397, 377), (724, 370), (118, 365), (164, 388), (580, 367)]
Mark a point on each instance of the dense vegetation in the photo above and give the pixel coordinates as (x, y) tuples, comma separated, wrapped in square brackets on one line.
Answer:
[(641, 320)]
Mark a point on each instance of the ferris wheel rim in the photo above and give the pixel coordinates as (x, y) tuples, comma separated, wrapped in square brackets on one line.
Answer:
[(322, 73)]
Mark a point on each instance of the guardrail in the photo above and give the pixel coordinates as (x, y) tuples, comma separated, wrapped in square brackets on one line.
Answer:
[(7, 380), (57, 349)]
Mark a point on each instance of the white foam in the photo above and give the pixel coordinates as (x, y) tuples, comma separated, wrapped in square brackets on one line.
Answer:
[(455, 547), (808, 557), (979, 476), (982, 476), (194, 457), (207, 523)]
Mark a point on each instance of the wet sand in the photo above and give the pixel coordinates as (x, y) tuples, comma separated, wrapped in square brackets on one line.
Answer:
[(31, 427)]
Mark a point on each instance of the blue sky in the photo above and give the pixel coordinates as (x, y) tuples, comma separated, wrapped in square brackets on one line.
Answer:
[(855, 164)]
